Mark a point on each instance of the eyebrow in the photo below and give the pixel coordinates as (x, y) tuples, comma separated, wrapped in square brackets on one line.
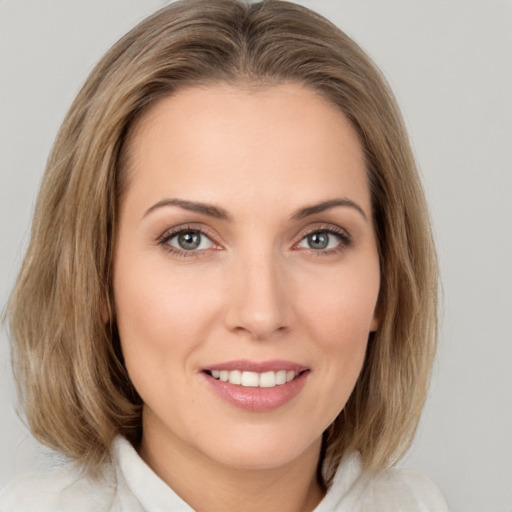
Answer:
[(220, 213), (192, 206), (327, 205)]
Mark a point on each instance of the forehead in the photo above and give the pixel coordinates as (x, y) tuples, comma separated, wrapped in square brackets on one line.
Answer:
[(222, 143)]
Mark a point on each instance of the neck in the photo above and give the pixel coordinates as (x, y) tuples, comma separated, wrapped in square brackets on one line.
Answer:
[(208, 486)]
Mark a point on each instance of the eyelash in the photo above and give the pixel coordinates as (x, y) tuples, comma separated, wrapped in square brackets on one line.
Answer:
[(169, 235), (345, 240)]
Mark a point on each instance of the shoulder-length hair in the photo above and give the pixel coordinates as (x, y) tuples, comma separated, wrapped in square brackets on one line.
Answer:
[(72, 381)]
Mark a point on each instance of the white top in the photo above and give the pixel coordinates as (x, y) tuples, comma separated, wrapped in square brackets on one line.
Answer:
[(129, 485)]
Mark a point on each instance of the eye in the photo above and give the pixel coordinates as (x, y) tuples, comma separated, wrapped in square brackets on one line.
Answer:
[(188, 240), (325, 240)]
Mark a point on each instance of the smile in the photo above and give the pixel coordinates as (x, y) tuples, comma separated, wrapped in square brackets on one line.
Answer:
[(268, 379), (257, 386)]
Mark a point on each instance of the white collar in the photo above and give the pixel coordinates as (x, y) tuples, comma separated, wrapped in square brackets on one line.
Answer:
[(155, 495)]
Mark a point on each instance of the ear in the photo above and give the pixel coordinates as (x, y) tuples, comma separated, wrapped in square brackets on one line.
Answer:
[(105, 311), (374, 325)]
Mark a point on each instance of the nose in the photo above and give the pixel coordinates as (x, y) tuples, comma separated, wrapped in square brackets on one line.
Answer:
[(258, 304)]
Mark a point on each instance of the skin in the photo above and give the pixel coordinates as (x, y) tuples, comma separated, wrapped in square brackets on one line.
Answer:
[(255, 289)]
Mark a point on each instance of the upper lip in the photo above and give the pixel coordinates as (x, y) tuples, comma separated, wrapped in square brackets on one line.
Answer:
[(246, 365)]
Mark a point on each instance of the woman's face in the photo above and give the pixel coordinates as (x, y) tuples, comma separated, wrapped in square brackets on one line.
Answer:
[(246, 272)]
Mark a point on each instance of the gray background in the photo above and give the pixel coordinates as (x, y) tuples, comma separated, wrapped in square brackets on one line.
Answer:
[(450, 65)]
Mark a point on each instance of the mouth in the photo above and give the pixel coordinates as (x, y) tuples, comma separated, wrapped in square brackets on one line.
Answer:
[(257, 387), (249, 379)]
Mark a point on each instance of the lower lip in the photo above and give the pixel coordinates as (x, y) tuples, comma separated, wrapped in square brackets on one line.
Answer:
[(258, 399)]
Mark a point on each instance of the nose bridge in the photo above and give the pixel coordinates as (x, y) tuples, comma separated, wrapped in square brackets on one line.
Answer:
[(258, 302)]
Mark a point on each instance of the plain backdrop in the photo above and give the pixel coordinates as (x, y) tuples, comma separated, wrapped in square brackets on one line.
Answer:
[(450, 66)]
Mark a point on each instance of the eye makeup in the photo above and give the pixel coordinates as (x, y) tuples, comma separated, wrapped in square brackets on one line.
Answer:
[(322, 237), (194, 241)]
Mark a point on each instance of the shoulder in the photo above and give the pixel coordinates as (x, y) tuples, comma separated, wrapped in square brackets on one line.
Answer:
[(400, 490), (63, 489), (354, 489)]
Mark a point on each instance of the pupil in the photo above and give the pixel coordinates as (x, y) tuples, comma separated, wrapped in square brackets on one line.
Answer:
[(190, 240), (318, 240)]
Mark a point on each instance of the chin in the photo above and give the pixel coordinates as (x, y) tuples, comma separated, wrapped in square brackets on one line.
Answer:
[(262, 451)]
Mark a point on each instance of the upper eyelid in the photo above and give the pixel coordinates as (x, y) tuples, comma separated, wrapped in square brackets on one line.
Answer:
[(189, 226), (327, 227), (333, 228)]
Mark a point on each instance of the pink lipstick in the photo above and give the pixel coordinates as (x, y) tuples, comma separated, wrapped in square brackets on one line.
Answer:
[(257, 386)]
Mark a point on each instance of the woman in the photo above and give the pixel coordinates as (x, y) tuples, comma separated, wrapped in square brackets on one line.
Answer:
[(229, 298)]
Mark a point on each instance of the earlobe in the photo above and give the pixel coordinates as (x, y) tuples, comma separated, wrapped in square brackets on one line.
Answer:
[(377, 314), (105, 311)]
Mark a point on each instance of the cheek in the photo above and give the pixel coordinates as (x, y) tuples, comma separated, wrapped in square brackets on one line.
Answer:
[(340, 305), (341, 330), (162, 317), (338, 311)]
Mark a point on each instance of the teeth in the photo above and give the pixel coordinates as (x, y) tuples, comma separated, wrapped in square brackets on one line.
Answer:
[(267, 380), (250, 379), (281, 377), (253, 379), (235, 377)]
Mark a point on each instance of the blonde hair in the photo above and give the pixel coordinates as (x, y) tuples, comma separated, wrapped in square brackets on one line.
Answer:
[(72, 381)]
